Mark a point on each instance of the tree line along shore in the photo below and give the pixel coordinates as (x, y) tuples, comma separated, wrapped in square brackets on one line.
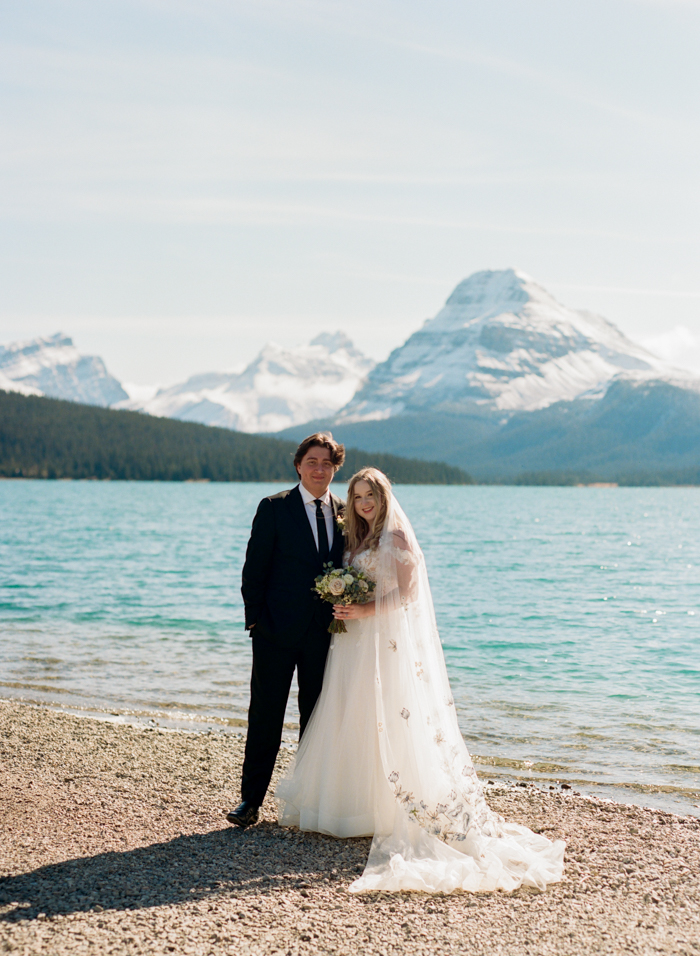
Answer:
[(50, 438)]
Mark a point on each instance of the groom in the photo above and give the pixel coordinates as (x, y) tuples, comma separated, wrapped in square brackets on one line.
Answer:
[(294, 534)]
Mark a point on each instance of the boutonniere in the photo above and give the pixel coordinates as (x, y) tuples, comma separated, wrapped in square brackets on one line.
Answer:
[(340, 520)]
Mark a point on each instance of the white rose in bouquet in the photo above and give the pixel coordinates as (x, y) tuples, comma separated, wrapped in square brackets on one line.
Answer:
[(343, 586)]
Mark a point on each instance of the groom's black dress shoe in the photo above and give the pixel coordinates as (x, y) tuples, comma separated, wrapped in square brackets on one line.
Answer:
[(245, 815)]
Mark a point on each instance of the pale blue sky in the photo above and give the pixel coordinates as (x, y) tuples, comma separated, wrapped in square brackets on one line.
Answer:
[(184, 181)]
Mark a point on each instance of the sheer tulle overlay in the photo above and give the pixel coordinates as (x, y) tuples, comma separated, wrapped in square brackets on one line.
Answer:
[(383, 755)]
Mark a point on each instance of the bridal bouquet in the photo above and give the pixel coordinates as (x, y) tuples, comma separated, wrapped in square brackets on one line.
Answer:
[(343, 586)]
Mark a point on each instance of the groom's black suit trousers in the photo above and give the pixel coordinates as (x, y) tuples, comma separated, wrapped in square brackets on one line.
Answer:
[(288, 624), (273, 669)]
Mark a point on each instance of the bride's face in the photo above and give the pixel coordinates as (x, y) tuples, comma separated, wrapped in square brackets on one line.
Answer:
[(364, 501)]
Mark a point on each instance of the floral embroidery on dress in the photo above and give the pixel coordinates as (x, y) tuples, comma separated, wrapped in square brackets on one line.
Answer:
[(392, 645), (450, 822), (419, 669), (405, 713), (366, 561), (439, 737), (403, 555)]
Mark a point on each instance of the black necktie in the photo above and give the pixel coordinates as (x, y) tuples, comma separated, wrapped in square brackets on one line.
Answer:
[(323, 548)]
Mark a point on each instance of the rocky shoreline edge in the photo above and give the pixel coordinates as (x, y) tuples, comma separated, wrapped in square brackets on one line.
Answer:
[(113, 840)]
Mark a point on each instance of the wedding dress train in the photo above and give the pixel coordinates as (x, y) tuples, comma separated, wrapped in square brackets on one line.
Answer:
[(383, 755)]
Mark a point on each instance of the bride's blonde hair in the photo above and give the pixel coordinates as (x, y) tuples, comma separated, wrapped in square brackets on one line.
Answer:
[(357, 531)]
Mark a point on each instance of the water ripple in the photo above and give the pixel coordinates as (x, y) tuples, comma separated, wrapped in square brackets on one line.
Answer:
[(569, 616)]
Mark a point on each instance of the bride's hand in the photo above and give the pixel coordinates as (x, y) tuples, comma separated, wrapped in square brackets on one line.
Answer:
[(352, 612)]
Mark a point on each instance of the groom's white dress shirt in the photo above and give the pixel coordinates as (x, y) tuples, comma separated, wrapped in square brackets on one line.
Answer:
[(310, 505)]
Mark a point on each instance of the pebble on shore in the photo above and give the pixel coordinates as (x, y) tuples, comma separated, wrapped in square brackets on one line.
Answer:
[(114, 841)]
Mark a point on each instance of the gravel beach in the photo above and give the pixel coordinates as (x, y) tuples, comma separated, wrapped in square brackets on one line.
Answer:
[(114, 841)]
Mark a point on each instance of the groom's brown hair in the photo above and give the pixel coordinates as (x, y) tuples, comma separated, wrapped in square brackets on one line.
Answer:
[(322, 440)]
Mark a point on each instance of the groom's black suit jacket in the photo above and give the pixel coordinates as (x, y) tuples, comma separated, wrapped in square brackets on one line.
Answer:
[(281, 563)]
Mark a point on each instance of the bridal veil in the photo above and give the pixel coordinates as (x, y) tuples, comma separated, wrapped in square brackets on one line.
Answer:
[(443, 836)]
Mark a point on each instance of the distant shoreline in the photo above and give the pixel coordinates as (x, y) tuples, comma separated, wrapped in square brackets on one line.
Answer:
[(55, 439), (288, 482)]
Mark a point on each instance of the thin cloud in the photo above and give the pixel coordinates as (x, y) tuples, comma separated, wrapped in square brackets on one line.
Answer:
[(672, 293), (556, 84), (215, 210), (679, 346), (342, 18)]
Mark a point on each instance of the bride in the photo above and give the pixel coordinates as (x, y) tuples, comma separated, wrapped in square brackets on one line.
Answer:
[(383, 755)]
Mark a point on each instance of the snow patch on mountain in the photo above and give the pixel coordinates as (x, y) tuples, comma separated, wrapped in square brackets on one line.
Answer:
[(504, 343), (54, 367), (281, 387), (9, 385)]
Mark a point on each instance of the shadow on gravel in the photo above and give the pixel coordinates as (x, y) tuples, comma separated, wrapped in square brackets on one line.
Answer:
[(228, 862)]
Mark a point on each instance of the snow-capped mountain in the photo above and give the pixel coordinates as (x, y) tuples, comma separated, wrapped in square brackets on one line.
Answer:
[(503, 343), (280, 388), (54, 367)]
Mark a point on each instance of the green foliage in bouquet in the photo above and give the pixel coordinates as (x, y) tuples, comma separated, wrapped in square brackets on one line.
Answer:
[(343, 586)]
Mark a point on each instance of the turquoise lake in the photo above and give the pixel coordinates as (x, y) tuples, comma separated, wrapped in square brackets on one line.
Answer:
[(570, 618)]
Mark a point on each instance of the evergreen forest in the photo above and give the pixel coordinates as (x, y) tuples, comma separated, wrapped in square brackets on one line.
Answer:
[(50, 438)]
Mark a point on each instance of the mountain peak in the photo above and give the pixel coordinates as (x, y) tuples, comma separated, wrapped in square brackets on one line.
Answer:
[(333, 341), (53, 366), (502, 342), (31, 346), (494, 292), (58, 340), (281, 387)]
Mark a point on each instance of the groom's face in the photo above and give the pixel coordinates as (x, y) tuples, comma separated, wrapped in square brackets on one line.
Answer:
[(316, 470)]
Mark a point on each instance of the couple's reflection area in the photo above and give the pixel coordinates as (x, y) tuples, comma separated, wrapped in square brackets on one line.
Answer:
[(222, 863)]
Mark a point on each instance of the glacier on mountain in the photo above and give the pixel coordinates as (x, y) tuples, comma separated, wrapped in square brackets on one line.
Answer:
[(278, 389), (54, 367), (504, 344)]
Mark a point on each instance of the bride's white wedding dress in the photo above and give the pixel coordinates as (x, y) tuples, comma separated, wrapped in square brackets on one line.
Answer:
[(383, 755)]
